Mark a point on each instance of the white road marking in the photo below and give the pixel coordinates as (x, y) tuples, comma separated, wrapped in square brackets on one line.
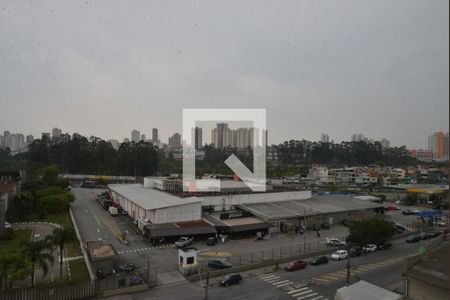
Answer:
[(279, 282), (317, 298), (267, 277), (272, 280), (299, 290), (303, 293), (284, 284)]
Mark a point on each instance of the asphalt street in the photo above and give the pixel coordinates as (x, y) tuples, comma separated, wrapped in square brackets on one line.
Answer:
[(383, 268)]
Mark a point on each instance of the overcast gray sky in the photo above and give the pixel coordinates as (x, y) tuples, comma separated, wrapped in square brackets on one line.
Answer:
[(105, 67)]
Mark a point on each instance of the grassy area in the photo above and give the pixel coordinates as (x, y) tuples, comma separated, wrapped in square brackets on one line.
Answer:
[(63, 218), (78, 270), (14, 244)]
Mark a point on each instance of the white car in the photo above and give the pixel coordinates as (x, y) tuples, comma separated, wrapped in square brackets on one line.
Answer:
[(335, 242), (370, 248), (340, 254), (7, 225)]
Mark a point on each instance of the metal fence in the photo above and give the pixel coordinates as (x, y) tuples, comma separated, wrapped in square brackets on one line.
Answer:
[(73, 291), (273, 254), (84, 290)]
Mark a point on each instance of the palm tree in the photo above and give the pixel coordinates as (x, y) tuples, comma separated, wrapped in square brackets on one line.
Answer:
[(60, 238), (40, 254)]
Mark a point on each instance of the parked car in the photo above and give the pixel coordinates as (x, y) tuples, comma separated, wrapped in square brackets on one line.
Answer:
[(7, 225), (384, 245), (127, 267), (318, 260), (433, 233), (316, 227), (211, 241), (335, 242), (441, 223), (398, 202), (183, 242), (259, 236), (415, 211), (407, 212), (413, 239), (231, 279), (369, 248), (443, 230), (325, 226), (355, 251), (399, 227), (220, 263), (392, 208), (340, 254), (296, 265)]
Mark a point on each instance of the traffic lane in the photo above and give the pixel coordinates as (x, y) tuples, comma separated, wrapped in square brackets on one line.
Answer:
[(390, 275), (399, 249), (251, 288), (89, 215)]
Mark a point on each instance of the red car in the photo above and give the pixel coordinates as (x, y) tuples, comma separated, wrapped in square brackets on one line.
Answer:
[(296, 265), (392, 208)]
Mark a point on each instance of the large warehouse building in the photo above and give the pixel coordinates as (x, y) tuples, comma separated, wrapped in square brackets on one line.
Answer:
[(154, 205), (163, 214)]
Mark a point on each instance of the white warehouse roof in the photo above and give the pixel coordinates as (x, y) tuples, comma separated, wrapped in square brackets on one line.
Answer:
[(149, 198)]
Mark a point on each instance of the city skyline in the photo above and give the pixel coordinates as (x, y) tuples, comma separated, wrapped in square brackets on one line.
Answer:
[(397, 88)]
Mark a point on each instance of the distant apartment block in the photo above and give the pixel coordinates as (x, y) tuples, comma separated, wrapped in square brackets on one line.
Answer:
[(222, 137), (385, 143), (198, 137), (56, 133), (155, 140), (359, 137), (422, 155), (135, 136), (324, 138), (143, 137), (438, 145), (175, 141)]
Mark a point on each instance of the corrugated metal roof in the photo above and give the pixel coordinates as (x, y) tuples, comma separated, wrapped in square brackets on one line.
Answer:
[(313, 206), (149, 198)]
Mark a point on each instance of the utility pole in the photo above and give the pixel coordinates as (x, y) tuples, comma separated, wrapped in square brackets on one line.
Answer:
[(348, 264), (206, 287), (304, 232)]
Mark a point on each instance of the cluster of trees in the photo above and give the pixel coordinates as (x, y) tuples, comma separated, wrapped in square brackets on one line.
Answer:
[(80, 155), (370, 231), (303, 152), (33, 255), (44, 196)]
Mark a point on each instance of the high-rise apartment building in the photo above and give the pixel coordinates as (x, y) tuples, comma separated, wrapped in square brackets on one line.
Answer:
[(135, 136), (438, 145), (155, 140), (198, 138), (324, 138), (385, 143), (29, 140), (56, 133), (175, 141), (359, 137), (143, 137)]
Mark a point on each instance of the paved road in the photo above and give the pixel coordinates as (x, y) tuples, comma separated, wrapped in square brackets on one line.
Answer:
[(383, 268)]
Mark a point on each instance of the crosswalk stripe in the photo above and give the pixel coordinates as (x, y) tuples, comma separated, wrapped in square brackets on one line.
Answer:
[(303, 293), (268, 276), (307, 296), (272, 280), (279, 282), (341, 272), (295, 291), (317, 298), (284, 284)]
